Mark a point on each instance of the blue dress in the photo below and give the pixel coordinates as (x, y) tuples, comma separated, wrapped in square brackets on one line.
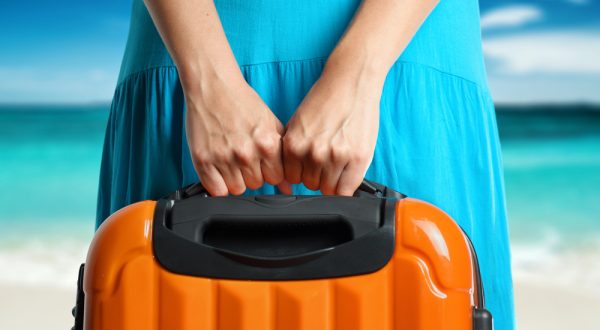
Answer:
[(438, 138)]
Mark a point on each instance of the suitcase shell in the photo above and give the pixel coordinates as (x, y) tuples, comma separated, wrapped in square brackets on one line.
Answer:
[(429, 281)]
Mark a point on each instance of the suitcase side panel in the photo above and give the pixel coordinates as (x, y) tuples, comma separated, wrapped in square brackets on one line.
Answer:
[(119, 275), (434, 271)]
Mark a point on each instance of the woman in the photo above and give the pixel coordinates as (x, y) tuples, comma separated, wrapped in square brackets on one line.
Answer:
[(206, 88)]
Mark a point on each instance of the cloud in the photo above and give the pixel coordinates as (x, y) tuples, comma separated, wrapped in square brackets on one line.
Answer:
[(545, 88), (511, 16), (556, 52), (34, 84), (579, 2)]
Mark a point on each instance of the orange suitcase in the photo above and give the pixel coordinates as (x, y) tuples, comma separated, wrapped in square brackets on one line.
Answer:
[(377, 260)]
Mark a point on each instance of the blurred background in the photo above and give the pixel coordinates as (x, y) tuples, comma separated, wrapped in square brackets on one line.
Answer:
[(59, 63)]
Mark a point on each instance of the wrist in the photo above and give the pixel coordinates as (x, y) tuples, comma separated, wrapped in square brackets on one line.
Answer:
[(199, 77), (357, 65), (356, 72)]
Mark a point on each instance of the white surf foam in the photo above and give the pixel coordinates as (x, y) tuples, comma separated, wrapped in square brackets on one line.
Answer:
[(551, 261), (42, 263), (555, 262)]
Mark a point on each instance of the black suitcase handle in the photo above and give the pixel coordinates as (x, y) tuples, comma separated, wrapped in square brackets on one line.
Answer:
[(365, 188), (275, 237)]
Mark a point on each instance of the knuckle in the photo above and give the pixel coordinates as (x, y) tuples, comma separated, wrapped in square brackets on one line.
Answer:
[(292, 146), (318, 154), (268, 146), (360, 157), (221, 156), (201, 158), (340, 154), (244, 155), (288, 137)]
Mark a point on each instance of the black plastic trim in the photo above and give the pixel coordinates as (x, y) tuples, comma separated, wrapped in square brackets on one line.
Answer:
[(482, 318), (478, 281), (181, 221), (79, 308)]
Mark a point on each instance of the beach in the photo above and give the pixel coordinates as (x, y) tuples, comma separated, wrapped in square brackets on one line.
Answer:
[(50, 156), (36, 307), (554, 307)]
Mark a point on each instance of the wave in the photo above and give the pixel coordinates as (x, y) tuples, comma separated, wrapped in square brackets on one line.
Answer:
[(549, 161), (551, 261), (42, 263)]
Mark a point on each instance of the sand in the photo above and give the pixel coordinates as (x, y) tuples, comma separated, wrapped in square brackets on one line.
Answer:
[(538, 307), (31, 307), (554, 307)]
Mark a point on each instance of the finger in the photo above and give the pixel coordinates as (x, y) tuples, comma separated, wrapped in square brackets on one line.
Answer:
[(285, 187), (212, 180), (350, 179), (248, 162), (252, 175), (311, 173), (340, 156), (313, 165), (272, 171), (292, 164), (233, 179), (330, 177), (271, 163), (311, 176), (292, 168)]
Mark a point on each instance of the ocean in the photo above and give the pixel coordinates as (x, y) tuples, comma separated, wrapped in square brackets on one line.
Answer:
[(49, 164), (551, 160)]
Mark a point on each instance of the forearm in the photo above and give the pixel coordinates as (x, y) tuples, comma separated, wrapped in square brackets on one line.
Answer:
[(376, 37), (194, 36)]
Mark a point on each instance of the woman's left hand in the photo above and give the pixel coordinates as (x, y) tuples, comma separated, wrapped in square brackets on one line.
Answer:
[(329, 143), (330, 140)]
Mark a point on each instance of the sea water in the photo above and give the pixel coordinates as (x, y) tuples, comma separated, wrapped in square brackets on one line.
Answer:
[(49, 165), (552, 175)]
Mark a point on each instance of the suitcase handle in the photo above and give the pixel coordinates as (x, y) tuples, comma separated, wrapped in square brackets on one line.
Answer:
[(277, 237), (366, 188), (278, 241)]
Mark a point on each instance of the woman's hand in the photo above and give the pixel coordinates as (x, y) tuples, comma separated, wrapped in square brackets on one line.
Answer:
[(330, 140), (329, 143), (234, 138)]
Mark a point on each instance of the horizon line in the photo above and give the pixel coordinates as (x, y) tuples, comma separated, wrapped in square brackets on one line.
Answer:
[(542, 105)]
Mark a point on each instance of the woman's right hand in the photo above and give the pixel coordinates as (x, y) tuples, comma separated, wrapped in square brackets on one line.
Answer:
[(233, 137)]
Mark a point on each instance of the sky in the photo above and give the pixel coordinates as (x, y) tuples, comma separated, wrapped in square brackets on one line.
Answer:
[(69, 51)]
